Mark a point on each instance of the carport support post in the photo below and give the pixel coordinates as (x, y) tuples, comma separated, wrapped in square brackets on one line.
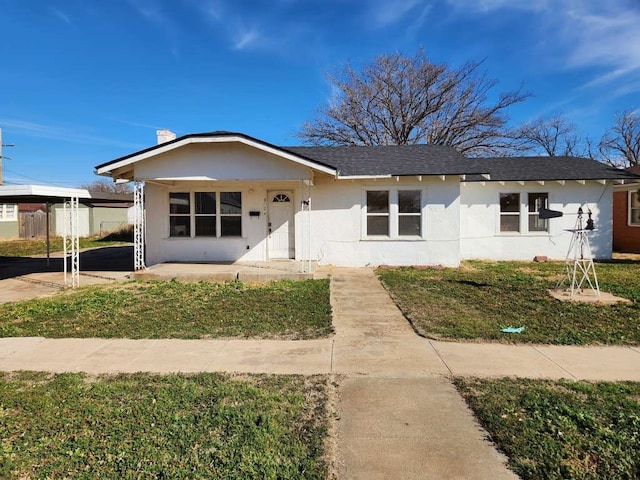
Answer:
[(71, 241), (48, 208), (138, 226)]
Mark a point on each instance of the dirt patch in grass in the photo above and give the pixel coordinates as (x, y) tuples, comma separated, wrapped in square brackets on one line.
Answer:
[(560, 429), (479, 299), (286, 309)]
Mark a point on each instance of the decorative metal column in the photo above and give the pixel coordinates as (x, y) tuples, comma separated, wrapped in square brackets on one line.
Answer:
[(306, 264), (71, 241), (138, 226)]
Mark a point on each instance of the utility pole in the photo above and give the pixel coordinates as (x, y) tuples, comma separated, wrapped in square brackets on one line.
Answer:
[(1, 157)]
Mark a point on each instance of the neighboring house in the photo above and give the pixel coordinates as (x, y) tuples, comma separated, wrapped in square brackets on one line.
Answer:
[(9, 227), (225, 196), (626, 215), (94, 219)]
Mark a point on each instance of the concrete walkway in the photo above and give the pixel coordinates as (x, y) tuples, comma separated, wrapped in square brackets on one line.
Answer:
[(399, 414)]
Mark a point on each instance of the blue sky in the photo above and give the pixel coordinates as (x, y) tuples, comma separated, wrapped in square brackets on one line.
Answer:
[(85, 81)]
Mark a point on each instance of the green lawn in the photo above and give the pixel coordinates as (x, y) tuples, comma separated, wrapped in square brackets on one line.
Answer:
[(285, 309), (176, 426), (29, 248), (478, 299), (561, 429)]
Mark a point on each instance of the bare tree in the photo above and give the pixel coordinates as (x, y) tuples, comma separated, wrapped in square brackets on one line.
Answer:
[(408, 100), (554, 136), (105, 186), (620, 145)]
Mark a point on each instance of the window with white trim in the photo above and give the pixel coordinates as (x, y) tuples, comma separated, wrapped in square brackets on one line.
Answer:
[(409, 213), (392, 213), (634, 208), (8, 212), (510, 212), (377, 213), (206, 214), (536, 202)]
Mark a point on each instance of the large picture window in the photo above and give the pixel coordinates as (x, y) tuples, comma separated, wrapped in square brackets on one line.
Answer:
[(634, 208), (206, 214), (393, 213), (510, 212)]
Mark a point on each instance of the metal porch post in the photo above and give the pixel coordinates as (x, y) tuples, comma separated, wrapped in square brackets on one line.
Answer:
[(138, 226), (71, 241)]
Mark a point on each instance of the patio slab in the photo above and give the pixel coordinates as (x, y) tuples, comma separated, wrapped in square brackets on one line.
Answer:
[(255, 272)]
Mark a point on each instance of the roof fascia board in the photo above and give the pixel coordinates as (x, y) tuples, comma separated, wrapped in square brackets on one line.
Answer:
[(218, 139), (43, 190)]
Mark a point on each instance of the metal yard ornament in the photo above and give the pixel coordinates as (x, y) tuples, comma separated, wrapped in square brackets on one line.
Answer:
[(580, 271)]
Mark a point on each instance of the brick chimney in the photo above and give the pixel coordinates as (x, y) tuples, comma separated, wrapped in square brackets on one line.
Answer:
[(165, 136)]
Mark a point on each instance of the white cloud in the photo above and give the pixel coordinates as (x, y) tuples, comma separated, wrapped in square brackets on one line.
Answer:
[(493, 5), (603, 35), (61, 15), (387, 12), (64, 134), (245, 39), (608, 36)]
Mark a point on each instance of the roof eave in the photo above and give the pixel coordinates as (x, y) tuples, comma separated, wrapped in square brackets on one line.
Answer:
[(105, 169)]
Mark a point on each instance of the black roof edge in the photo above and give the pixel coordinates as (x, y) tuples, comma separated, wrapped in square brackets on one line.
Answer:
[(218, 133)]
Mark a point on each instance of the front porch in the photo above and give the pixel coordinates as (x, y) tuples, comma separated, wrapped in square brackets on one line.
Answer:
[(248, 272)]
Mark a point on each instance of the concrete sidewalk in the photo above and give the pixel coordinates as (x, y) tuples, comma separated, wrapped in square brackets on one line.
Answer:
[(399, 414), (341, 355)]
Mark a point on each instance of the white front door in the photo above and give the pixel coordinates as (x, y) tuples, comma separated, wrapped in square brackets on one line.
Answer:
[(280, 225)]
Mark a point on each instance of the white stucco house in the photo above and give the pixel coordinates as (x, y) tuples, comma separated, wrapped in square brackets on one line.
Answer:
[(226, 196)]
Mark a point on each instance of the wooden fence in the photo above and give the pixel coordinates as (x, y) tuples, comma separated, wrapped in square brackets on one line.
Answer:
[(32, 224)]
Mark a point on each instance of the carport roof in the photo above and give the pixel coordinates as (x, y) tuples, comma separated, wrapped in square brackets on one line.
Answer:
[(52, 194)]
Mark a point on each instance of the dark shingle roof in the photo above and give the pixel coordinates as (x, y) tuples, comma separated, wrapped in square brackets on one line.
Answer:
[(547, 168), (391, 160), (407, 160)]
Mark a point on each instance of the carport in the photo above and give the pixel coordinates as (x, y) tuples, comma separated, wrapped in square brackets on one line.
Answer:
[(71, 198)]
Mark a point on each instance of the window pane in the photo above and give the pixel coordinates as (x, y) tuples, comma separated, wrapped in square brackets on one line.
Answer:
[(231, 226), (206, 226), (510, 223), (179, 226), (409, 201), (635, 216), (509, 202), (538, 201), (378, 202), (378, 225), (179, 203), (409, 225), (635, 200), (231, 203), (205, 203), (537, 225)]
